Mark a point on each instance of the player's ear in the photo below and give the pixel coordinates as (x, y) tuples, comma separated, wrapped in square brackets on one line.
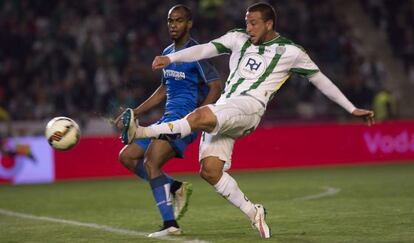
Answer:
[(190, 24), (269, 25)]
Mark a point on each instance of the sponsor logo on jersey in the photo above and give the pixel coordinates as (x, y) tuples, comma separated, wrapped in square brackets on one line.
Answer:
[(252, 66), (168, 73), (280, 50)]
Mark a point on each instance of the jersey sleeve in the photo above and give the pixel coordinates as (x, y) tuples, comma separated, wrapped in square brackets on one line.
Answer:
[(225, 43), (166, 51), (303, 65), (207, 71)]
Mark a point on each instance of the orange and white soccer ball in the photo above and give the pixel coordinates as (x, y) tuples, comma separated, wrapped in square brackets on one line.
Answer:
[(62, 133)]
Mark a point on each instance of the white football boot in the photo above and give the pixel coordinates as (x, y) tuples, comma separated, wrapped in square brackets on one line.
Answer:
[(130, 127), (181, 199), (259, 222), (166, 232)]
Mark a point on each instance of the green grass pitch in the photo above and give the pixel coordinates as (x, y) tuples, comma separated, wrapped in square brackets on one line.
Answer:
[(336, 204)]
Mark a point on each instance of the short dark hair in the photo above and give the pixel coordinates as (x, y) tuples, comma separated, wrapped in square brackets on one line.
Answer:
[(267, 11), (186, 10)]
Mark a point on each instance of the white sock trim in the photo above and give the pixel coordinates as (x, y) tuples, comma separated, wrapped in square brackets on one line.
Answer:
[(154, 131)]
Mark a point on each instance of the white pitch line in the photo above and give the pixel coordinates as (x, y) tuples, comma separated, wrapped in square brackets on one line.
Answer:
[(94, 226), (329, 191)]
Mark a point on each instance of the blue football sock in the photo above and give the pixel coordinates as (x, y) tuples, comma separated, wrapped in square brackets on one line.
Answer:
[(160, 187)]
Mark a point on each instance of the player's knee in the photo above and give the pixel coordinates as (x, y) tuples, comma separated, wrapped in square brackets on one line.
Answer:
[(195, 118), (203, 119), (205, 174), (210, 175), (126, 160)]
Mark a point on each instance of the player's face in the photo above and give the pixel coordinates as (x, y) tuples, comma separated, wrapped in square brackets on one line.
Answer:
[(178, 24), (257, 28)]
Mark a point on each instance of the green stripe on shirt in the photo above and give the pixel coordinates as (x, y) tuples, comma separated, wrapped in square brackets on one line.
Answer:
[(242, 52), (234, 87), (303, 71), (221, 48)]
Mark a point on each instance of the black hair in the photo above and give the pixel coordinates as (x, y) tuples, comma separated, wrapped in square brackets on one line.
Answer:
[(267, 11), (186, 10)]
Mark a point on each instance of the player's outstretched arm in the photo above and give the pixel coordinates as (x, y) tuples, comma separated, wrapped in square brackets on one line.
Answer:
[(191, 54), (368, 115), (325, 85)]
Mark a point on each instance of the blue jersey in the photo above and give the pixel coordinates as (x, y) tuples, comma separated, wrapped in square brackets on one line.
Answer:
[(186, 88), (186, 83)]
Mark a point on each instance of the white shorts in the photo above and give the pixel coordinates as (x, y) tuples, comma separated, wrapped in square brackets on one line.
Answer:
[(236, 117)]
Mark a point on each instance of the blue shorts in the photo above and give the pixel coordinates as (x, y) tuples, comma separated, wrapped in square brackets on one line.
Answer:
[(178, 145)]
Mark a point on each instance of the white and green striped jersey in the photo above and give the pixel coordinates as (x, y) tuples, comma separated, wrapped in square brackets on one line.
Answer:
[(260, 70)]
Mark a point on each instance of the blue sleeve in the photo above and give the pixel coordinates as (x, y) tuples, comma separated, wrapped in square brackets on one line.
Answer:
[(207, 71), (163, 80)]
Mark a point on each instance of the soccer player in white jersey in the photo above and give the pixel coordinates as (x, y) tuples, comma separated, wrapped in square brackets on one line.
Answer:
[(261, 61)]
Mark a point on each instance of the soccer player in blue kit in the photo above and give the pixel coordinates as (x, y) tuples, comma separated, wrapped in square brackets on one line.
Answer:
[(185, 86)]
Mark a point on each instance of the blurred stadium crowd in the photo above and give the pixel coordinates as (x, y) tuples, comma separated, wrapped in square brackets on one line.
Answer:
[(87, 58), (397, 21)]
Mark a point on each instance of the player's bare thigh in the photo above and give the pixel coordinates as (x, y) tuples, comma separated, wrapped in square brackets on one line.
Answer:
[(211, 169)]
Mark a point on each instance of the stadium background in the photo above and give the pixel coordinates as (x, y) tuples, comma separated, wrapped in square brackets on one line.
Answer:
[(85, 59)]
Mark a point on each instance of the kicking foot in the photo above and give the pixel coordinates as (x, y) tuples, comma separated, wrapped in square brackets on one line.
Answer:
[(181, 199), (259, 222), (130, 127), (166, 231)]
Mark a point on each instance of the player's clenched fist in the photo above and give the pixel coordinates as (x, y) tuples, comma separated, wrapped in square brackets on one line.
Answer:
[(160, 62)]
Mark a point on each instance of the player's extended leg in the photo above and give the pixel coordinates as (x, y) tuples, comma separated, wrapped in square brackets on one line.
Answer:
[(158, 153), (200, 119), (212, 172)]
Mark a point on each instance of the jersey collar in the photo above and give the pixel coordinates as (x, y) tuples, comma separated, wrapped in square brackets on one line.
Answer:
[(184, 46), (272, 41)]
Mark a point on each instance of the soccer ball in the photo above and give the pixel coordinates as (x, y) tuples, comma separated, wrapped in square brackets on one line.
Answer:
[(62, 133)]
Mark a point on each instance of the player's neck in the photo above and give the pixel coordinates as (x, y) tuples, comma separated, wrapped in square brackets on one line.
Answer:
[(270, 36), (179, 43)]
